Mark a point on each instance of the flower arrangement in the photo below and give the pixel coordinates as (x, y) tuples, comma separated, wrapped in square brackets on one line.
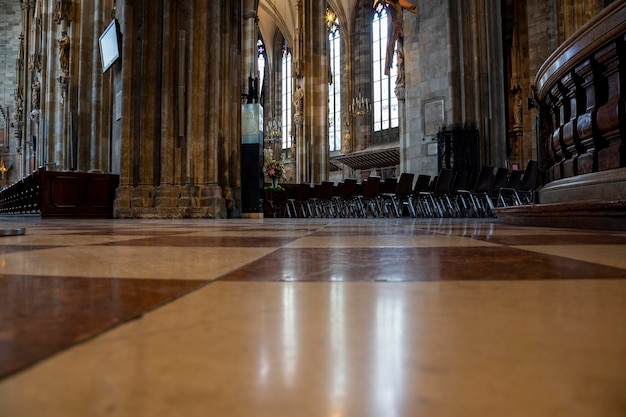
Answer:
[(273, 168)]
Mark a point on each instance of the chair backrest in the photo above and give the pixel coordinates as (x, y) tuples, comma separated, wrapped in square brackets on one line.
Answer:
[(433, 183), (484, 180), (531, 176), (405, 184), (302, 192), (421, 184), (325, 190), (444, 181), (460, 181), (350, 187), (471, 182), (372, 187), (515, 179), (499, 180), (389, 185), (338, 190)]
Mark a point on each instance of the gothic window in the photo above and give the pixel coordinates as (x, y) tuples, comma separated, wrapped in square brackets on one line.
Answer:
[(334, 88), (286, 97), (385, 103)]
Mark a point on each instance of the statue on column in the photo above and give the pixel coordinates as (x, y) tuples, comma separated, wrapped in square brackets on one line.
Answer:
[(346, 146), (298, 105), (64, 52), (517, 114), (35, 100)]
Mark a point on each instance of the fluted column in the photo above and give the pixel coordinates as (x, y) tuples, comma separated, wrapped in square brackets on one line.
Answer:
[(173, 109), (92, 118), (315, 128)]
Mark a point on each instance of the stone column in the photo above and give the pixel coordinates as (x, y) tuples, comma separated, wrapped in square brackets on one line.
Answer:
[(315, 129), (229, 169), (173, 111), (92, 115), (204, 105), (124, 144)]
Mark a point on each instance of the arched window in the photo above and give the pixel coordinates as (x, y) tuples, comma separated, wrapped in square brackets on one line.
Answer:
[(385, 102), (334, 88), (286, 96)]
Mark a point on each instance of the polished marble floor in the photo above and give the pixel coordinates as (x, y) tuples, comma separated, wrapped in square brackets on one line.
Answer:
[(319, 318)]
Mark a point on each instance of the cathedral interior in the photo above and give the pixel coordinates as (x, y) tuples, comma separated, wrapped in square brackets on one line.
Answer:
[(145, 270)]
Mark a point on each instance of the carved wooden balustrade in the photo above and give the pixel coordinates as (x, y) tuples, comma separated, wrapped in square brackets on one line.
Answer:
[(581, 93)]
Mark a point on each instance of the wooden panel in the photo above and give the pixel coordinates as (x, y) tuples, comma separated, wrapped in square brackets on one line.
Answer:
[(65, 191), (77, 194)]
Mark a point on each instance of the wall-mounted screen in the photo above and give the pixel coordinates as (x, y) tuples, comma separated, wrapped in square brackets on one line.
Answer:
[(109, 45)]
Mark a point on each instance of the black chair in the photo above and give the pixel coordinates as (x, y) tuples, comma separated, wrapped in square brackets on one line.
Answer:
[(523, 193), (404, 194), (299, 202), (422, 184), (387, 190), (437, 203), (460, 182), (474, 200), (369, 201), (500, 179), (321, 199)]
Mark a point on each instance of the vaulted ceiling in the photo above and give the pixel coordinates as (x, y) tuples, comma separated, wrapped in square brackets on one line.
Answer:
[(281, 14)]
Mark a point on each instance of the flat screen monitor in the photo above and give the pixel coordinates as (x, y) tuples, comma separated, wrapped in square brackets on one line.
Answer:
[(109, 46)]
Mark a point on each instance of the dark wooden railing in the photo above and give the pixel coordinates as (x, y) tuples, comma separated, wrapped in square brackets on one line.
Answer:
[(581, 93), (65, 194)]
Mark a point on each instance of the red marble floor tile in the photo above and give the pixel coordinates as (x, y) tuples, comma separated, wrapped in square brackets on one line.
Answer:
[(373, 232), (5, 249), (128, 232), (208, 241), (40, 316), (416, 264), (565, 240)]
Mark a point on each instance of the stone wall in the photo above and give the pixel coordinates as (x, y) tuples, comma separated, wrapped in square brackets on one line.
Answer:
[(10, 28), (428, 70)]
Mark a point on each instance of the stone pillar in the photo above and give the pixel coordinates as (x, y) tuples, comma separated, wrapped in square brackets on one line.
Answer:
[(176, 144), (250, 37), (173, 111), (125, 132), (92, 113), (203, 75), (315, 128)]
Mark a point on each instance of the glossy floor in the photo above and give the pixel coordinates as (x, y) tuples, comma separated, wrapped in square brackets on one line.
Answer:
[(374, 317)]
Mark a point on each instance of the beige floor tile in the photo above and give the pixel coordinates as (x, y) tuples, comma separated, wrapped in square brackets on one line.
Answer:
[(64, 239), (130, 262), (442, 349)]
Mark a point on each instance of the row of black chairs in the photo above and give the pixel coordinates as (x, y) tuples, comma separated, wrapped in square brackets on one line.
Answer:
[(449, 194), (460, 194)]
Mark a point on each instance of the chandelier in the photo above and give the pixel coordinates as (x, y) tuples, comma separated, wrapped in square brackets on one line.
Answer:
[(360, 106), (274, 129)]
